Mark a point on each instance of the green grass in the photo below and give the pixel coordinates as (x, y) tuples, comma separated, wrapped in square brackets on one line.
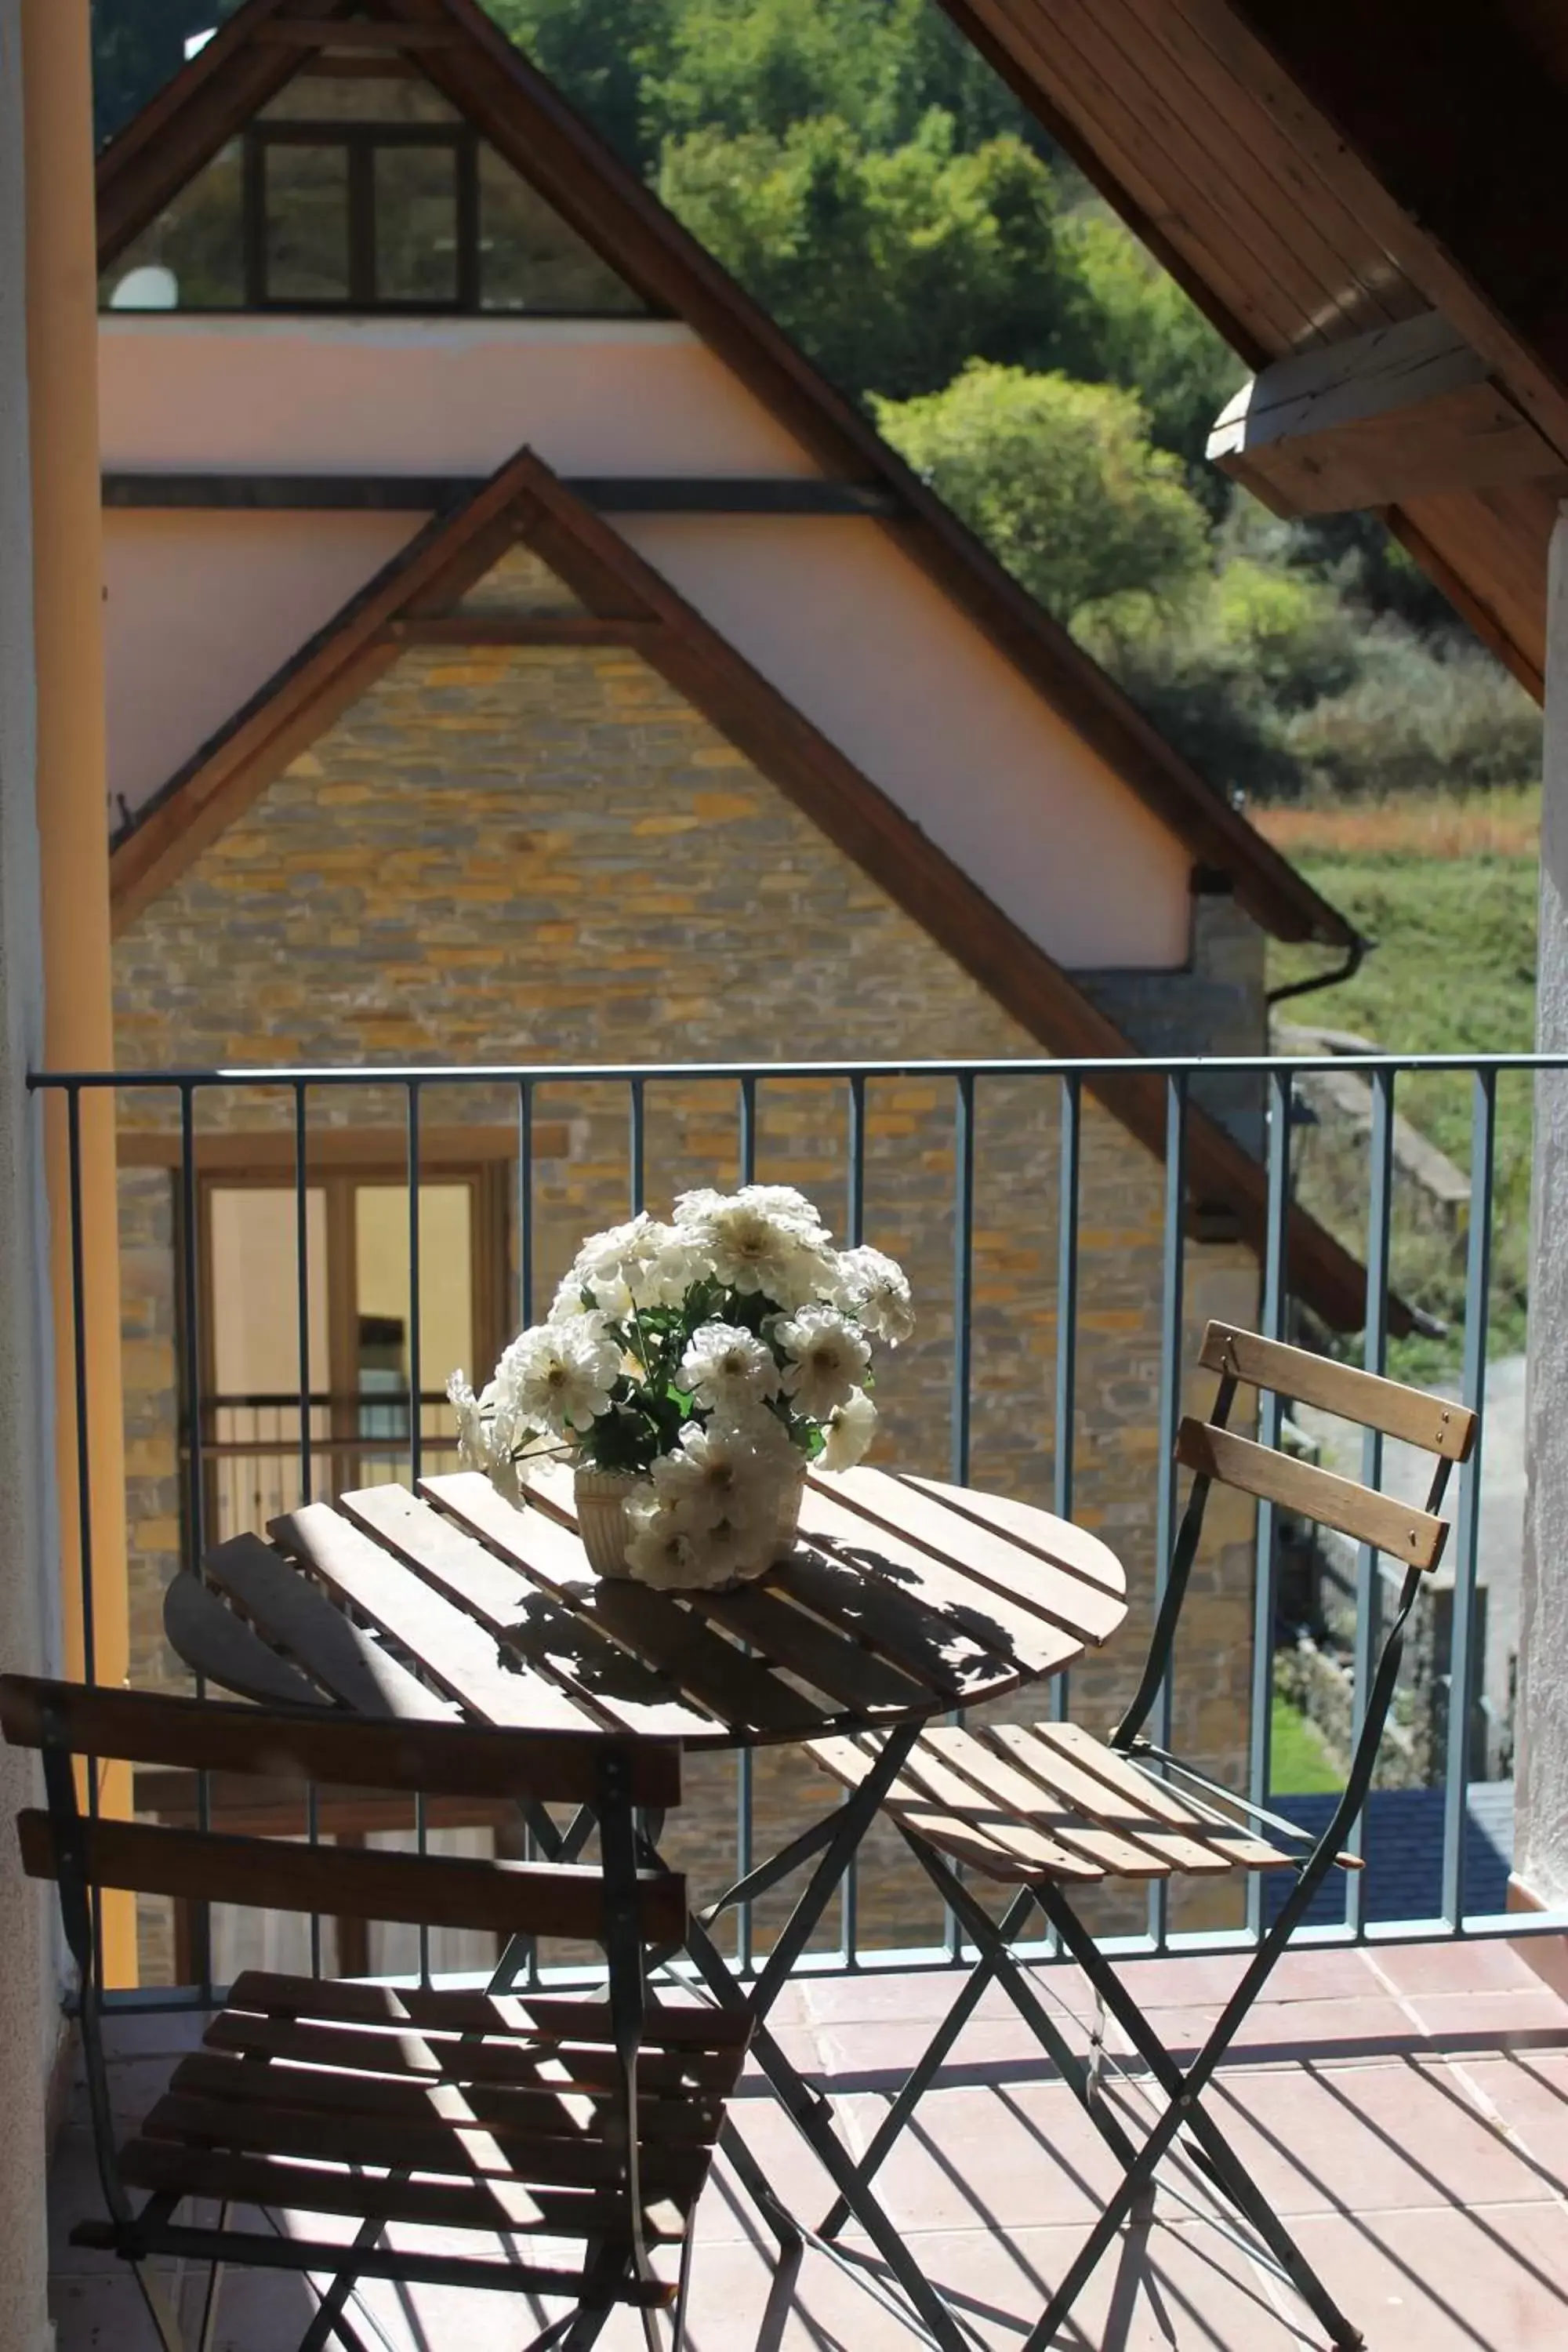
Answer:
[(1453, 970), (1299, 1764)]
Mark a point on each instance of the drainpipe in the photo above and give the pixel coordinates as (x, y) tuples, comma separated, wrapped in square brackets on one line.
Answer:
[(1314, 981)]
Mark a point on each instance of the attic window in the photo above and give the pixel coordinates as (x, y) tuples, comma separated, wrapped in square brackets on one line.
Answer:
[(362, 194)]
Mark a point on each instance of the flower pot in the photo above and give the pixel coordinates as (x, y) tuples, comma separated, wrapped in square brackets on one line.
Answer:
[(602, 1498)]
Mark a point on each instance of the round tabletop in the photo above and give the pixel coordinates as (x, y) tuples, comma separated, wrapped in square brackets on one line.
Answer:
[(903, 1598)]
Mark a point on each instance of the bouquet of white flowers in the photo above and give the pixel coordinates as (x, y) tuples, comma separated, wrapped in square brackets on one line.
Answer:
[(689, 1371)]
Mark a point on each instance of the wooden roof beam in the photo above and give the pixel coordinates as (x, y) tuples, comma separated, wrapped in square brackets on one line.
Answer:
[(1404, 412)]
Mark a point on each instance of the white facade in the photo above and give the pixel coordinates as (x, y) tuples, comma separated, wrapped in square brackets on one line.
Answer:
[(203, 607)]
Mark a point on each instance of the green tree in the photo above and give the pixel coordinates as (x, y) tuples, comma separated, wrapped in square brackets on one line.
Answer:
[(890, 269), (1062, 481), (584, 46), (1128, 323)]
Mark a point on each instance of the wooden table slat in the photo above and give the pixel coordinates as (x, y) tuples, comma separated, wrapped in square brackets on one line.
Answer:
[(1023, 1643), (286, 1609), (617, 1687), (919, 1641), (1077, 1551), (1027, 1577), (207, 1635), (452, 1646), (745, 1695), (834, 1661)]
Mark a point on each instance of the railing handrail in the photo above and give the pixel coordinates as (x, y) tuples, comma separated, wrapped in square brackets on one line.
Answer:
[(361, 1074)]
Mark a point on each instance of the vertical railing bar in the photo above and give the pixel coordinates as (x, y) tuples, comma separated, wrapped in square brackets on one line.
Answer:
[(962, 1274), (1466, 1531), (83, 1462), (1275, 1292), (190, 1260), (524, 1203), (854, 1234), (1374, 1356), (636, 1147), (1172, 1309), (962, 1337), (302, 1320), (416, 1420), (745, 1777), (1067, 1189)]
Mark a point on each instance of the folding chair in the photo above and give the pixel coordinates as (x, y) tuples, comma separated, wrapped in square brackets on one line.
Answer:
[(1048, 1807), (592, 2119)]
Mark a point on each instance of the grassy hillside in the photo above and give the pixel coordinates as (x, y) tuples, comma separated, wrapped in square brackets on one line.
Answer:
[(1447, 888)]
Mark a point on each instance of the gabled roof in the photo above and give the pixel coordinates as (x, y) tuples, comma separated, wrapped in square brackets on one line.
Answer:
[(417, 598), (473, 64), (1315, 174)]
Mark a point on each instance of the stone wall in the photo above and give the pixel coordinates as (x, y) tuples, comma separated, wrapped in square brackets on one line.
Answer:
[(543, 854)]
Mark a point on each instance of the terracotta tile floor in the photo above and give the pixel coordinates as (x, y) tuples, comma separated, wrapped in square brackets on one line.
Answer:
[(1406, 2109)]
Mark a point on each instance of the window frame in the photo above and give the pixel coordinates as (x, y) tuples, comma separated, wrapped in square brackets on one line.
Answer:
[(358, 140)]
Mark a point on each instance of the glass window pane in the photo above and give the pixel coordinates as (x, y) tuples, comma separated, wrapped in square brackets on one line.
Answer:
[(307, 224), (530, 259), (415, 223), (192, 258), (254, 1290), (382, 1294), (380, 97)]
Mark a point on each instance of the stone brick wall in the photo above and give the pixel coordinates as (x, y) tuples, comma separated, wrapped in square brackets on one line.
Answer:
[(545, 855)]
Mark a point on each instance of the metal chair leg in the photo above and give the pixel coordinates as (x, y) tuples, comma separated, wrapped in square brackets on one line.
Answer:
[(214, 2281), (160, 2309)]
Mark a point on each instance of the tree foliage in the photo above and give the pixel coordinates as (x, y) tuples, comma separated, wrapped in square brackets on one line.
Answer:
[(1062, 482)]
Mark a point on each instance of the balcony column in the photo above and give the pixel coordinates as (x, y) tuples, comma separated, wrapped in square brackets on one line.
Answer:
[(1540, 1824), (30, 1979), (73, 831)]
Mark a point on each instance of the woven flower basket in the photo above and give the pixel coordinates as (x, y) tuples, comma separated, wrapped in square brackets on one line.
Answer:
[(602, 1496)]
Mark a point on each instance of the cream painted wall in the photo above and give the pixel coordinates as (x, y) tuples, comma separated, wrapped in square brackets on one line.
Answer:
[(863, 642), (201, 608), (428, 396)]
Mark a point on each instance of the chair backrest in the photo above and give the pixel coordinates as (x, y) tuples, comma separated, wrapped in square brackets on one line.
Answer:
[(1436, 1424), (67, 1720)]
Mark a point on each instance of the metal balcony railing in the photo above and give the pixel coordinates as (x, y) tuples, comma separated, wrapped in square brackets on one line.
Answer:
[(1028, 1263)]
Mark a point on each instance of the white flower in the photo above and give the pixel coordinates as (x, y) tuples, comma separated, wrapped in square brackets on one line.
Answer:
[(559, 1376), (876, 1291), (724, 1365), (714, 1475), (748, 1248), (826, 1360), (660, 1550), (784, 1202), (849, 1431), (639, 1264), (473, 1432)]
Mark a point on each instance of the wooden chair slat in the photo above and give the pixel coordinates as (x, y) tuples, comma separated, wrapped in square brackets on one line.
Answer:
[(167, 2167), (1061, 1779), (205, 1634), (1237, 1844), (217, 2074), (262, 1807), (527, 1620), (422, 1890), (1072, 1550), (999, 1801), (1026, 1579), (420, 2057), (1436, 1425), (558, 2016), (327, 1745), (452, 1646), (451, 2143), (1398, 1528), (1022, 1641), (291, 1613), (1004, 1849), (743, 1694)]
